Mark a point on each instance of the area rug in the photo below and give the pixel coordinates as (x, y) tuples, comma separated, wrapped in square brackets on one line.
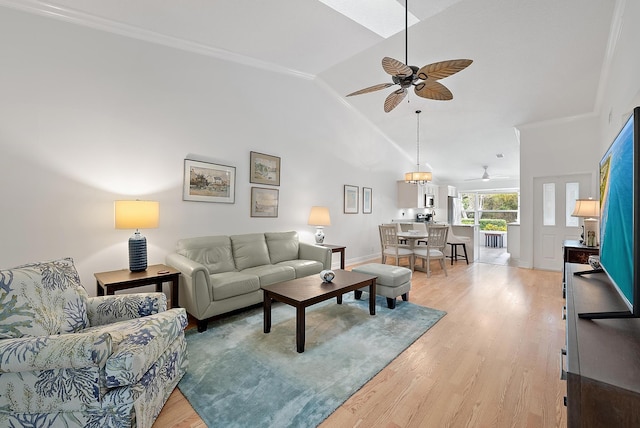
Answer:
[(239, 376)]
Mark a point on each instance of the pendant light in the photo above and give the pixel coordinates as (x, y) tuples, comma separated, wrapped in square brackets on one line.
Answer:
[(417, 177)]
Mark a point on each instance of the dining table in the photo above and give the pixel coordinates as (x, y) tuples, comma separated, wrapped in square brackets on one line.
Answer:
[(412, 237)]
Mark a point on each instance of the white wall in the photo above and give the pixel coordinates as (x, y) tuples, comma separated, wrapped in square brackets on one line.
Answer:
[(88, 117), (576, 145)]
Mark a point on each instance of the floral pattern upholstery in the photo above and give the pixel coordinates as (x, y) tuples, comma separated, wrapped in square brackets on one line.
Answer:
[(70, 360)]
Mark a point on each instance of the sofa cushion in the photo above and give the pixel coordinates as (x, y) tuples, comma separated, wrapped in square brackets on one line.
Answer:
[(230, 284), (304, 267), (270, 274), (249, 250), (214, 252), (41, 299), (282, 246)]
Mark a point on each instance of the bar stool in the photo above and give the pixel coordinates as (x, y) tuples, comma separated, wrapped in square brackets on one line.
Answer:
[(456, 241)]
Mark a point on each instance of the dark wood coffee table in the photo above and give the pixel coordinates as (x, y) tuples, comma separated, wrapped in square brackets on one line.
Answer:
[(303, 292)]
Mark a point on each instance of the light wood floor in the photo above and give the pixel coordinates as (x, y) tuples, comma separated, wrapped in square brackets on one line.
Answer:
[(492, 361)]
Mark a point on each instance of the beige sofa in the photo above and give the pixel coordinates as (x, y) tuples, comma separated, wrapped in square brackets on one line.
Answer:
[(224, 273)]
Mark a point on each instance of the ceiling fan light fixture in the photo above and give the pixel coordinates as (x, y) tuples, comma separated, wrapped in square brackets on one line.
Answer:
[(485, 176), (424, 80)]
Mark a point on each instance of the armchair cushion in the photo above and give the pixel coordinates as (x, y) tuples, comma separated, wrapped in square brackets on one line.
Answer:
[(42, 299)]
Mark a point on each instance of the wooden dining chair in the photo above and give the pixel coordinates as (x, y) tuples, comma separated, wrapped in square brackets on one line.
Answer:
[(436, 243), (390, 246)]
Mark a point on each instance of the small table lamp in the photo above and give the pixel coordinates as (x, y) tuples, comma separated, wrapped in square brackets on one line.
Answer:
[(137, 215), (589, 209), (319, 217)]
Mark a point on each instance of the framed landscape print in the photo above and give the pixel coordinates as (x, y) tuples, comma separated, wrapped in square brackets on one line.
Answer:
[(265, 169), (367, 194), (350, 199), (264, 202), (208, 182)]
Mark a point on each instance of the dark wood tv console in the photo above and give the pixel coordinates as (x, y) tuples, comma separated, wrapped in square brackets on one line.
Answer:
[(602, 362)]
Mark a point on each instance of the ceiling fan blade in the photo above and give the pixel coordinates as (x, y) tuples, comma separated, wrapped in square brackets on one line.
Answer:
[(433, 90), (371, 89), (395, 67), (440, 70), (394, 99)]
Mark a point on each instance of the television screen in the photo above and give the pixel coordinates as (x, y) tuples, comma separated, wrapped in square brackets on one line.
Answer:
[(617, 213)]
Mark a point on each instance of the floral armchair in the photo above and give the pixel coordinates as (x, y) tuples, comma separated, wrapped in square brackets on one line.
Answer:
[(70, 360)]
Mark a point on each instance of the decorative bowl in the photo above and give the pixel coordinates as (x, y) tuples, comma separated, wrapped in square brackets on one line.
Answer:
[(327, 275), (594, 261)]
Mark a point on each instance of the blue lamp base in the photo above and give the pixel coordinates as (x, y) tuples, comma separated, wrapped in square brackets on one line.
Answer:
[(137, 253)]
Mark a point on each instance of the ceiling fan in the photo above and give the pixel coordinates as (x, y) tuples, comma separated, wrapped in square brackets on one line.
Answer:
[(424, 80), (486, 176)]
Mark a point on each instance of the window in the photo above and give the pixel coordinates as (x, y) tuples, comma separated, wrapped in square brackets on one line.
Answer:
[(549, 204), (572, 193), (493, 211)]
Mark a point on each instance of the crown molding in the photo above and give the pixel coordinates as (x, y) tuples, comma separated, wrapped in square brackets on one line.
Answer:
[(97, 23)]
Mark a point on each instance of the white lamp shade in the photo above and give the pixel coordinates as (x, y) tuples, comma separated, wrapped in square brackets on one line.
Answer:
[(319, 216), (136, 214), (587, 208), (417, 176)]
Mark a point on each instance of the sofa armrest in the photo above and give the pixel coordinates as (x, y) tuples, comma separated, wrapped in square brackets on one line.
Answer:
[(187, 266), (60, 351), (315, 252), (195, 284), (109, 309)]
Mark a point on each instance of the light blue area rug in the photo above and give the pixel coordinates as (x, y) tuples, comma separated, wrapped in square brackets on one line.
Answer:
[(241, 377)]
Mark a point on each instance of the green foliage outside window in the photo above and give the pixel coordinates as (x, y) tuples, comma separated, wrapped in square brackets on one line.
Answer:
[(488, 223)]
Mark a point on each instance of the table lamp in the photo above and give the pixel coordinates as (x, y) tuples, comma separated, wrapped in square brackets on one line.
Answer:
[(589, 209), (319, 217), (137, 215)]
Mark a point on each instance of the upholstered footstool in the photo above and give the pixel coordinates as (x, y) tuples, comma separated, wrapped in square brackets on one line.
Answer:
[(393, 281)]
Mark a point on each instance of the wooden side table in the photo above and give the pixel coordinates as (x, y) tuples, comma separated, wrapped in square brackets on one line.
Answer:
[(575, 252), (337, 249), (110, 282)]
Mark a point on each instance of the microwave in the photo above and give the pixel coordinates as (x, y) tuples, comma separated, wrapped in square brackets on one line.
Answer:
[(429, 201)]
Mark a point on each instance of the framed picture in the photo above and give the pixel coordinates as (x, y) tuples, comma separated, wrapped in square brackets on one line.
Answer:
[(209, 182), (350, 199), (366, 200), (265, 169), (264, 202)]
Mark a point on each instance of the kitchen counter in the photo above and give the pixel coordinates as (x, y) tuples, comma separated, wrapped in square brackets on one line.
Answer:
[(469, 231)]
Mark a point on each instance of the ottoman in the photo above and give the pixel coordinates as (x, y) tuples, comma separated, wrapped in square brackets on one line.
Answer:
[(393, 281)]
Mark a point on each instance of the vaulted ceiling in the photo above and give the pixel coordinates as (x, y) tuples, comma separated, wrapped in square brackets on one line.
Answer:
[(534, 61)]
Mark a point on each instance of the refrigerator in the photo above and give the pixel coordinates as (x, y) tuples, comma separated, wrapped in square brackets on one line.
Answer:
[(454, 210)]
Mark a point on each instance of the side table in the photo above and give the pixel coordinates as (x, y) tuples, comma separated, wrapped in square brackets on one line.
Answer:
[(575, 252), (110, 282), (337, 249)]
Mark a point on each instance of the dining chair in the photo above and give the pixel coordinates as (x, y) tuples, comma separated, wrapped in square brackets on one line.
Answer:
[(390, 246), (436, 243)]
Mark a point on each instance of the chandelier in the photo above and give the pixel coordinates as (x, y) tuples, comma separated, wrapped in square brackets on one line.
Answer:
[(417, 177)]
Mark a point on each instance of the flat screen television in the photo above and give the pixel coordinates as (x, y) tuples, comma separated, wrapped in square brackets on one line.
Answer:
[(620, 218)]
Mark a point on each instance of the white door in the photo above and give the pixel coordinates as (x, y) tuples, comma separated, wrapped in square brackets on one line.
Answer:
[(553, 201)]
